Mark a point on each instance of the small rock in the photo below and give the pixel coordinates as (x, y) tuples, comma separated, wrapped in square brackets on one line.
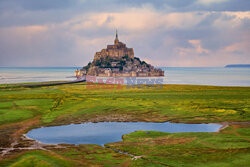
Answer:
[(136, 157)]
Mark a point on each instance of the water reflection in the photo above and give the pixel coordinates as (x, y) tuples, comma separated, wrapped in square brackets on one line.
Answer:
[(109, 132)]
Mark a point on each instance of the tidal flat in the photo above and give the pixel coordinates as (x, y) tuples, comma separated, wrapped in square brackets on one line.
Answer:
[(26, 108)]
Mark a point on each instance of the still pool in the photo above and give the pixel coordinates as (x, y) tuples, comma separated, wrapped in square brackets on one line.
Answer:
[(109, 132)]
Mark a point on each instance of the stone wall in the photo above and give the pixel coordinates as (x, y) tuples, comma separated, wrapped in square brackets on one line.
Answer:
[(131, 74)]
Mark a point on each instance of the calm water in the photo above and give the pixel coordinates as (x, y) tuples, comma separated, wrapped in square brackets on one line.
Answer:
[(109, 132), (173, 75), (208, 76), (36, 74)]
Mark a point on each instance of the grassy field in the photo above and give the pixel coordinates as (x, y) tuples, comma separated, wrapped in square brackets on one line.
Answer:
[(22, 109)]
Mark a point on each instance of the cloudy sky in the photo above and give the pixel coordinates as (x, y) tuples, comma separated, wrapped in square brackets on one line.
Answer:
[(169, 33)]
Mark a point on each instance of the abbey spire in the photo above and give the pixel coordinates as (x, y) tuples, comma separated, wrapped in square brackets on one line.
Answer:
[(116, 38)]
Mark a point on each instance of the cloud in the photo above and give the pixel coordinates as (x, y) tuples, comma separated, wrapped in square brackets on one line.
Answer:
[(34, 46), (137, 19), (238, 15), (198, 47), (37, 5), (209, 2), (67, 36)]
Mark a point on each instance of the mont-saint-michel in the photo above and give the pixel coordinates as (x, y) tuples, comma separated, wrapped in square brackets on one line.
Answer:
[(121, 110), (118, 60)]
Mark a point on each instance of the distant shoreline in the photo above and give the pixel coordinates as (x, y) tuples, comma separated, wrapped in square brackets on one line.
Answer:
[(237, 66)]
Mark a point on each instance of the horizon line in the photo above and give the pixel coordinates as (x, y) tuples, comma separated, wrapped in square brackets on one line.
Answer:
[(81, 66)]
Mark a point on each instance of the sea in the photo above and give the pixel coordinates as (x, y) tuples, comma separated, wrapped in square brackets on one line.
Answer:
[(218, 76)]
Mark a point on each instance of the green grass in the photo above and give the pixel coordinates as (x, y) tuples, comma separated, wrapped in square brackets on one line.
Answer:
[(17, 110), (38, 159), (9, 116), (205, 103), (171, 102), (26, 108), (188, 149)]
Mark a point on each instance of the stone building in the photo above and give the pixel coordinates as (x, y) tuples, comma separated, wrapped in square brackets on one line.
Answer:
[(118, 50), (118, 61)]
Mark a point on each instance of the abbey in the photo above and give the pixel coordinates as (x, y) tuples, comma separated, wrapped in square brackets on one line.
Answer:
[(118, 50), (118, 61)]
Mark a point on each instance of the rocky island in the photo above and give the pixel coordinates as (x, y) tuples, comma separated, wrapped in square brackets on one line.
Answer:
[(118, 61)]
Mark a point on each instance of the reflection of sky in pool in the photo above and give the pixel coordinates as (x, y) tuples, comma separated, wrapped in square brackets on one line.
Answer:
[(109, 132)]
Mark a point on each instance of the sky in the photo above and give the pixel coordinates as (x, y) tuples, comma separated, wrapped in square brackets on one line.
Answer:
[(165, 33)]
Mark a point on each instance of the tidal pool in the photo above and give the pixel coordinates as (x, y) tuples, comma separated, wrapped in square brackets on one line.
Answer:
[(109, 132)]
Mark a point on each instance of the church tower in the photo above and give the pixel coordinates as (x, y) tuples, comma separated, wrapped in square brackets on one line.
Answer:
[(116, 38)]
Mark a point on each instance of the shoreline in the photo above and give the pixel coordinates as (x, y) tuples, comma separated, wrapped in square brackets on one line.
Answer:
[(38, 145), (51, 83)]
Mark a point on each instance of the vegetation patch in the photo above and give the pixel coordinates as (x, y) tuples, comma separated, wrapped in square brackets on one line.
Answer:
[(22, 109)]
